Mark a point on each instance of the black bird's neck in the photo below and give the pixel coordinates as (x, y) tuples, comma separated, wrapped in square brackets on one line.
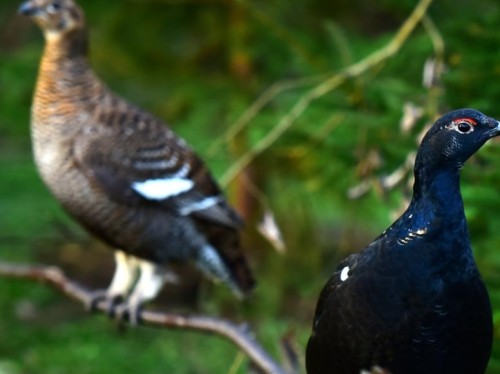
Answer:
[(432, 232), (437, 183), (439, 188), (436, 209)]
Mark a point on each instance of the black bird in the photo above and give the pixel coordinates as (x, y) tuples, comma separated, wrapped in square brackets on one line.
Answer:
[(123, 174), (413, 301)]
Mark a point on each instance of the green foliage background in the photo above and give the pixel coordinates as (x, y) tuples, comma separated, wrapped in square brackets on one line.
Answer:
[(199, 65)]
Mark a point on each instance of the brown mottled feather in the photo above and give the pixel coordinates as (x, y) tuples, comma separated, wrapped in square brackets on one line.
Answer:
[(90, 145)]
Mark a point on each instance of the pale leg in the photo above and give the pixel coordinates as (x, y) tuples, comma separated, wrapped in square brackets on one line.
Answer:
[(127, 268), (149, 284), (126, 271)]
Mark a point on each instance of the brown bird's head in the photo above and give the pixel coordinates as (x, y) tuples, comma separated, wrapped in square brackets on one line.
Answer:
[(55, 17)]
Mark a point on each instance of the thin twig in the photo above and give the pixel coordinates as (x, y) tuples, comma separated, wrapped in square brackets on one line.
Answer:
[(327, 86), (237, 334), (435, 36), (265, 98)]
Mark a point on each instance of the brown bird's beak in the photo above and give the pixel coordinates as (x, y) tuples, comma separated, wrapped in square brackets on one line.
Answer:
[(28, 9)]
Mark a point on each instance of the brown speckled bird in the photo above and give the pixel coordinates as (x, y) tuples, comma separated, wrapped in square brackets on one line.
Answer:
[(123, 174)]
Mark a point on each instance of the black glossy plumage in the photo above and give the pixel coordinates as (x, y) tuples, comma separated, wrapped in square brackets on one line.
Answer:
[(413, 301)]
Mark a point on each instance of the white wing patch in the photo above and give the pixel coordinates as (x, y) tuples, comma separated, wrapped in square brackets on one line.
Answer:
[(200, 205), (344, 274), (159, 189)]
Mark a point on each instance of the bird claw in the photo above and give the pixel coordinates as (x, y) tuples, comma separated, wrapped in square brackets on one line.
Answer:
[(115, 306), (128, 311), (102, 297)]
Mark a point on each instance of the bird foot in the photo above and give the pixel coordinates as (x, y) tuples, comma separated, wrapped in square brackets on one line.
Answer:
[(130, 311), (115, 306), (102, 298)]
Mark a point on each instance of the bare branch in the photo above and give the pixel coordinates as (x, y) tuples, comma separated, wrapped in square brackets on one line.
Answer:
[(239, 335)]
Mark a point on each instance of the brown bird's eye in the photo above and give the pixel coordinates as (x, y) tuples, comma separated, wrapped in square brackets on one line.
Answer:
[(464, 127), (54, 7)]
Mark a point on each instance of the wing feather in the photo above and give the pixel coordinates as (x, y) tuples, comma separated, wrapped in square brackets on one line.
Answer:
[(145, 162)]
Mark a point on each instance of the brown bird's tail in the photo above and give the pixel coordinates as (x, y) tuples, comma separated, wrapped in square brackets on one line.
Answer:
[(226, 242)]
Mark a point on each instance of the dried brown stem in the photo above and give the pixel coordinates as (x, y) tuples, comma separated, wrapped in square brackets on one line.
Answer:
[(377, 57)]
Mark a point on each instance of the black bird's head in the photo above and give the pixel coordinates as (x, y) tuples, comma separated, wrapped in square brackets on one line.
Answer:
[(55, 17), (455, 137)]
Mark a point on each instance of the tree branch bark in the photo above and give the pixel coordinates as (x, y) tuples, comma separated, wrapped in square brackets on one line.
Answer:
[(238, 334)]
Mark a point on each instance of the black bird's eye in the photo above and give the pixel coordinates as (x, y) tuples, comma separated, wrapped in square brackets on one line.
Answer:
[(464, 127)]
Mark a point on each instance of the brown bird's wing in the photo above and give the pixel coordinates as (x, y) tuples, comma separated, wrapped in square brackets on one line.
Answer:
[(135, 159)]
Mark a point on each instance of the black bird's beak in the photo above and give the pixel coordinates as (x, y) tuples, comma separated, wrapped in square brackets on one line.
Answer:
[(28, 9), (495, 128)]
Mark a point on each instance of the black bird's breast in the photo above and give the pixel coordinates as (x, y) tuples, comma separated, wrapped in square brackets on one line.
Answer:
[(393, 310)]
